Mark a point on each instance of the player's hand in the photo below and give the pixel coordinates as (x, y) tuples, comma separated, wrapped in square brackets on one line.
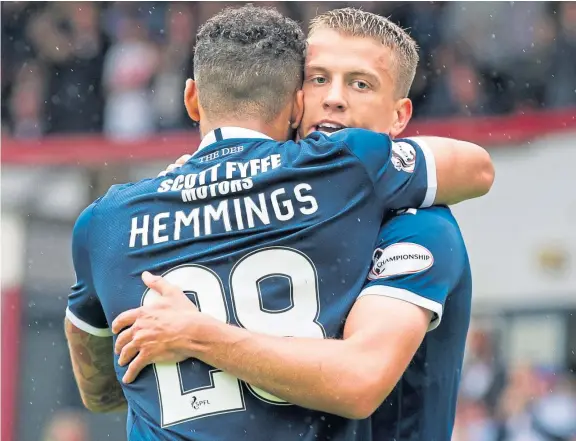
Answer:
[(179, 163), (157, 332)]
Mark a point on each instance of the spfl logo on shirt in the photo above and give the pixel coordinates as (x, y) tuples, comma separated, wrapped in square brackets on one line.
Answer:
[(198, 404), (403, 157), (398, 259)]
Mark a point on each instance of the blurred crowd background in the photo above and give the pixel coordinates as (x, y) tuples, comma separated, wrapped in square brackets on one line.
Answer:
[(75, 67), (519, 402), (117, 70)]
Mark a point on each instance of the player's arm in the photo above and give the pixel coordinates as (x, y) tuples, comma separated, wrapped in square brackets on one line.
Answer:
[(89, 337), (93, 366), (464, 170), (420, 172), (349, 377), (352, 377)]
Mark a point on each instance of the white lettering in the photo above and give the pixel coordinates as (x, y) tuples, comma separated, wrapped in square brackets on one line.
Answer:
[(238, 212), (230, 169), (287, 204), (224, 187), (178, 183), (221, 216), (210, 156), (247, 183), (216, 214), (165, 185), (202, 192), (212, 188), (160, 227), (214, 172), (243, 169), (265, 164), (306, 199), (253, 209), (190, 180), (276, 161), (202, 177), (143, 231), (189, 195), (182, 219), (255, 166)]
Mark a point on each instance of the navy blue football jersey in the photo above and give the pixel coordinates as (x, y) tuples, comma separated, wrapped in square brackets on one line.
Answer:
[(421, 258), (270, 236)]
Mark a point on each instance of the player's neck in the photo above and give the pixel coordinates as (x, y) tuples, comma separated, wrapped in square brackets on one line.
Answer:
[(271, 130)]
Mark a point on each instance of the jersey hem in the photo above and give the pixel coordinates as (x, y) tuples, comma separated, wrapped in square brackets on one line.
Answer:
[(410, 297), (81, 324)]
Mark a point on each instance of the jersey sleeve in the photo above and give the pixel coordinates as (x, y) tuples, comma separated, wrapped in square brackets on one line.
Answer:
[(84, 308), (403, 171), (420, 258)]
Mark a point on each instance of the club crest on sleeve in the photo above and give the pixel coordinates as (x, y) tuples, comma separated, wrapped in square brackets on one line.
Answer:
[(403, 157), (398, 259)]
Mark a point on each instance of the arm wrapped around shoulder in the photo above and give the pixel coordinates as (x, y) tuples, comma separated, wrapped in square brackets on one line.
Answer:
[(464, 170)]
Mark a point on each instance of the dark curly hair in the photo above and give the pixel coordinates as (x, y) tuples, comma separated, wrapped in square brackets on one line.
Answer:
[(248, 62)]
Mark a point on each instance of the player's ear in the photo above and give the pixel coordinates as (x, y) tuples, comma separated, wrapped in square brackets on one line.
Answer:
[(403, 114), (297, 110), (191, 100)]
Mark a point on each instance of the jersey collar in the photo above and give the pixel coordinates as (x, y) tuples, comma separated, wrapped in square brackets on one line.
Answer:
[(229, 133)]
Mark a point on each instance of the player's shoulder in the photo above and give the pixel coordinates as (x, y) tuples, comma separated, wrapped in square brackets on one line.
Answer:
[(350, 137), (434, 215), (118, 194), (80, 232), (113, 203), (436, 224), (85, 217), (363, 146), (319, 147), (420, 239)]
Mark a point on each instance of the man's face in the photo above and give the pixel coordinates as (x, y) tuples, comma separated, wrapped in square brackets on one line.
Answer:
[(348, 83)]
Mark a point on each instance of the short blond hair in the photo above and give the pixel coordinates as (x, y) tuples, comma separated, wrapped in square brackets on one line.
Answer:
[(358, 23)]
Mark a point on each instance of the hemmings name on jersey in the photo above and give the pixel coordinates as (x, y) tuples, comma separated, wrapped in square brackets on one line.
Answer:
[(242, 212), (398, 259)]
